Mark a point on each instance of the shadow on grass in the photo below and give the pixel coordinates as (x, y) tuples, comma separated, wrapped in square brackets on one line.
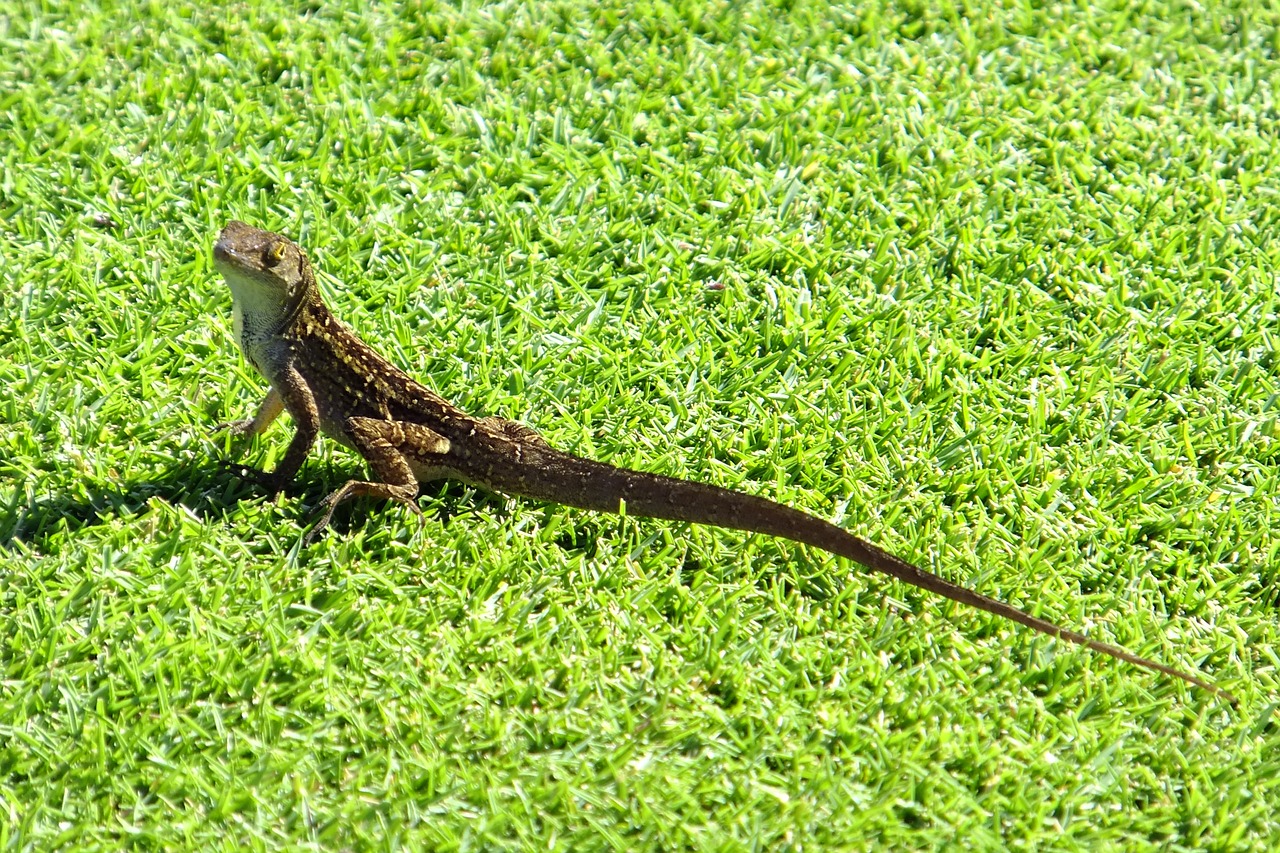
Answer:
[(208, 488)]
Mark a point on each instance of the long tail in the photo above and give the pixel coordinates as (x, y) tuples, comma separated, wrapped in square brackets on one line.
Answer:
[(574, 481)]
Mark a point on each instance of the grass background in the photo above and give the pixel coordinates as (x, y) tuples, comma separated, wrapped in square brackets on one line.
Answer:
[(991, 286)]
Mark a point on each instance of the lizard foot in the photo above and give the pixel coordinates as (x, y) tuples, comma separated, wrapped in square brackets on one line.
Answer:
[(236, 429), (359, 488)]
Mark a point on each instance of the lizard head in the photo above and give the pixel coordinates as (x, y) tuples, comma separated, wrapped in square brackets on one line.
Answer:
[(276, 262), (268, 274)]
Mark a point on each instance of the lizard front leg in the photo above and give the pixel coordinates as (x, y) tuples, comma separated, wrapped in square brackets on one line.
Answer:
[(268, 411), (387, 446), (288, 391)]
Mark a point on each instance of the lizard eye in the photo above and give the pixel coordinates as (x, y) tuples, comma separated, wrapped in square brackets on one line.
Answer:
[(274, 254)]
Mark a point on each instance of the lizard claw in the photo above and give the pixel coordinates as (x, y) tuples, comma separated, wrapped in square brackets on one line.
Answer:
[(236, 429), (324, 510)]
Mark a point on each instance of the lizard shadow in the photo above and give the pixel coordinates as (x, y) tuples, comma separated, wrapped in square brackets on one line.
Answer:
[(208, 490), (189, 483), (205, 487)]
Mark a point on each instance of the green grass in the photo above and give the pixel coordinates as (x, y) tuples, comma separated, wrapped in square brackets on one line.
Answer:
[(993, 287)]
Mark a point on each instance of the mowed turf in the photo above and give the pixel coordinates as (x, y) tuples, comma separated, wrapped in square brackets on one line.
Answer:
[(991, 287)]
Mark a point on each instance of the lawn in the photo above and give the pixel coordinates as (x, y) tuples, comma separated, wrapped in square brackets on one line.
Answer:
[(991, 287)]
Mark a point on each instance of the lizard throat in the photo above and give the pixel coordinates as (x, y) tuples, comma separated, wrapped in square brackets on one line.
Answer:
[(259, 310)]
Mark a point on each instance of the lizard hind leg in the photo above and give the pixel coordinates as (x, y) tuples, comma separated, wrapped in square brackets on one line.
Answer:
[(386, 446), (516, 431)]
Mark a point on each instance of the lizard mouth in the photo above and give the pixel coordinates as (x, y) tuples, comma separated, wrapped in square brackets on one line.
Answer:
[(227, 260), (225, 250), (227, 256)]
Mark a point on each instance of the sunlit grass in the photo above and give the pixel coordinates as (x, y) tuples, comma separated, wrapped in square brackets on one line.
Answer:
[(995, 291)]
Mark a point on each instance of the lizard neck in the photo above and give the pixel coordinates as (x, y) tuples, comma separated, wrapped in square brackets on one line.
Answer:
[(261, 312)]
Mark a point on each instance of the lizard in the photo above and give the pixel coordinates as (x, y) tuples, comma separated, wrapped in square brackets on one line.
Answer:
[(332, 382)]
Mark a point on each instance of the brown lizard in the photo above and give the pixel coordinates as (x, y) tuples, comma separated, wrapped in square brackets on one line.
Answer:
[(331, 381)]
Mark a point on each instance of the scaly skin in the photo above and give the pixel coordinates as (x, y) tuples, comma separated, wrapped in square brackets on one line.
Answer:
[(332, 382)]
